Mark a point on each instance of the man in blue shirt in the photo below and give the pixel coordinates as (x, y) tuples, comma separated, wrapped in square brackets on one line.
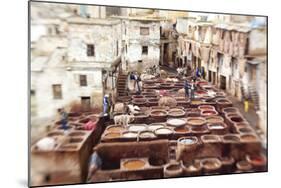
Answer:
[(63, 119), (186, 88)]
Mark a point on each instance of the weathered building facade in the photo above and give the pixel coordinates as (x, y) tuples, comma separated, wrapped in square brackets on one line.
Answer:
[(233, 54), (141, 40), (76, 75)]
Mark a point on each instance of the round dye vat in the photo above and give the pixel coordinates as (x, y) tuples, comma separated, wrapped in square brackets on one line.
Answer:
[(176, 112), (216, 126), (208, 112), (256, 160), (176, 122), (163, 131), (214, 119), (210, 138), (206, 107), (236, 119), (245, 130), (134, 164), (181, 130), (173, 167), (129, 134), (211, 163), (196, 121), (155, 113), (137, 128), (153, 127), (231, 138), (188, 140), (248, 138), (147, 134), (230, 110)]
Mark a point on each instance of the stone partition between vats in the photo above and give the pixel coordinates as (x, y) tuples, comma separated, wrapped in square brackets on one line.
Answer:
[(67, 163)]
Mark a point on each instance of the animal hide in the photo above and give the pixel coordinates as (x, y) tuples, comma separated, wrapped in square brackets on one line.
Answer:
[(167, 101)]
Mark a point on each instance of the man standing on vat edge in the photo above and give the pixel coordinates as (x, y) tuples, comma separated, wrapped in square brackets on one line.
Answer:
[(63, 119)]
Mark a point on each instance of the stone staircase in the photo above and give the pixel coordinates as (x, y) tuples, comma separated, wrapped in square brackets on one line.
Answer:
[(252, 95), (172, 150), (122, 85)]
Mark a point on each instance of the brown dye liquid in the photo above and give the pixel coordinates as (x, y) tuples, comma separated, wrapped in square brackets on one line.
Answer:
[(248, 138), (181, 130), (173, 167), (214, 120), (116, 129), (134, 164), (196, 121), (112, 135)]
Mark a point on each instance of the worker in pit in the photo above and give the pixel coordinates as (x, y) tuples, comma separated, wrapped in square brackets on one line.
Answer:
[(94, 164), (192, 90), (63, 118), (203, 73), (137, 78), (186, 88), (106, 105)]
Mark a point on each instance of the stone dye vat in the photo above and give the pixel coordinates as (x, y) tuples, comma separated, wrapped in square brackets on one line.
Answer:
[(67, 163), (132, 160)]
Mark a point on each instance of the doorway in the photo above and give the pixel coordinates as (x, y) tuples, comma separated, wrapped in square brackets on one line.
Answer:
[(214, 81), (223, 82), (210, 76), (85, 103)]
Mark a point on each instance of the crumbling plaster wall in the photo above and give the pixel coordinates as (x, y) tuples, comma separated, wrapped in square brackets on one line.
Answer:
[(135, 41), (102, 36)]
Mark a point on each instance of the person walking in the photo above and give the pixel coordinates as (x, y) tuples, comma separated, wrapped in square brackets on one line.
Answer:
[(186, 88), (192, 88), (198, 73), (63, 118), (137, 79), (203, 73), (106, 105)]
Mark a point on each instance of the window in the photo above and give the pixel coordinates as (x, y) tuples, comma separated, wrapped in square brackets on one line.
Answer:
[(57, 93), (144, 31), (144, 50), (32, 92), (83, 80), (90, 50)]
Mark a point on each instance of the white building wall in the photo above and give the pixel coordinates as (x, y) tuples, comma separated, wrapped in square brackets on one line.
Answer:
[(135, 41), (101, 36)]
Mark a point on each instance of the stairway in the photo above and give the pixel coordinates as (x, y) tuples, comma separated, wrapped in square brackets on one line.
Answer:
[(254, 96), (122, 85), (172, 150)]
